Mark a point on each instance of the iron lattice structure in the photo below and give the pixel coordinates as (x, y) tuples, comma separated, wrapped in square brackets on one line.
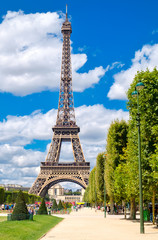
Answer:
[(66, 129)]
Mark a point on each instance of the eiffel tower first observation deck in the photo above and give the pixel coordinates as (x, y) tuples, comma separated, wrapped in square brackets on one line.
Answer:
[(66, 130)]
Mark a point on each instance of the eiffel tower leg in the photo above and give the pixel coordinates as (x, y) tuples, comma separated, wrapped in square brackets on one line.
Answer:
[(36, 187), (52, 156), (54, 150), (77, 149)]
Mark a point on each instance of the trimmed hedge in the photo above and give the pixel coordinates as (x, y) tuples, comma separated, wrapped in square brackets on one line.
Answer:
[(10, 197), (2, 193), (20, 211), (43, 209)]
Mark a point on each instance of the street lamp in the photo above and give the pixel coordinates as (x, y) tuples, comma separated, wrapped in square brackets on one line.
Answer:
[(136, 93)]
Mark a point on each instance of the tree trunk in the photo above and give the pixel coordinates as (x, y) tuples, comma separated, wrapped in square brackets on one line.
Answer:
[(124, 206), (153, 206), (111, 205), (133, 209)]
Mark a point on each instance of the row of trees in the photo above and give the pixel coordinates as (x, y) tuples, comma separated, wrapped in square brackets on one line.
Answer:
[(118, 166), (61, 205), (11, 196), (72, 193)]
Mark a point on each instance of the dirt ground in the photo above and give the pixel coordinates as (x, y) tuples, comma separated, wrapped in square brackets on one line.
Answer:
[(86, 224)]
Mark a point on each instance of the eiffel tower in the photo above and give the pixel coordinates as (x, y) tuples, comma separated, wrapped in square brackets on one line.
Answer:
[(66, 130)]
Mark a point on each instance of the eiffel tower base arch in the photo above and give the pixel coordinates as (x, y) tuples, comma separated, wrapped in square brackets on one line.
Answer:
[(52, 174)]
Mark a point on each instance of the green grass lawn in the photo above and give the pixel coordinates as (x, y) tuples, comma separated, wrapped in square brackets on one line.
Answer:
[(27, 230), (3, 219)]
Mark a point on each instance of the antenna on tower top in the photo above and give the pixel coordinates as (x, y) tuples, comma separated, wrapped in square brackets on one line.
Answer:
[(66, 11)]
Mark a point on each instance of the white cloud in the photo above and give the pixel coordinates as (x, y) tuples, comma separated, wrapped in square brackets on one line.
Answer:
[(19, 156), (23, 165), (30, 55), (18, 165), (93, 121), (22, 130), (145, 58)]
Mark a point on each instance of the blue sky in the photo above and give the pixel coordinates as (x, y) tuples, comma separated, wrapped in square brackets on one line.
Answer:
[(111, 41)]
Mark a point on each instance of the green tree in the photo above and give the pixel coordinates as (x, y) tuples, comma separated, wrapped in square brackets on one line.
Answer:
[(20, 211), (63, 205), (116, 143), (148, 109), (14, 196), (26, 196), (132, 183), (153, 161), (2, 194), (60, 206), (92, 187), (42, 209), (76, 193), (86, 195), (9, 199), (100, 177), (121, 179), (67, 205), (55, 206), (90, 195)]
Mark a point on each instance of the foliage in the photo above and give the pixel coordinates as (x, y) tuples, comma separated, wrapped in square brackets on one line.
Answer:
[(9, 199), (42, 209), (116, 143), (20, 211), (64, 205), (86, 195), (120, 176), (60, 206), (68, 205), (72, 193), (29, 198), (148, 109), (31, 230), (76, 193), (55, 206), (92, 187), (100, 176), (2, 194), (121, 162), (90, 194)]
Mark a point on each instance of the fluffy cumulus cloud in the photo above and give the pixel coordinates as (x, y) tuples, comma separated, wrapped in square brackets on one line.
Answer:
[(18, 165), (22, 130), (23, 164), (30, 55), (145, 58)]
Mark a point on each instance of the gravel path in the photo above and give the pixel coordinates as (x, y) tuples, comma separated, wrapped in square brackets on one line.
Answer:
[(86, 224)]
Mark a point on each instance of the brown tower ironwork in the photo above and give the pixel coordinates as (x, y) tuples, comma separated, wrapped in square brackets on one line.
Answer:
[(65, 130)]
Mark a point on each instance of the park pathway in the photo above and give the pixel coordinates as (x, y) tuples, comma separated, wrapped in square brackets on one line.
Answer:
[(86, 224)]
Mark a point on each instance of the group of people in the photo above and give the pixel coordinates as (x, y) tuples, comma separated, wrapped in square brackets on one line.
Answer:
[(31, 211), (6, 207), (116, 209)]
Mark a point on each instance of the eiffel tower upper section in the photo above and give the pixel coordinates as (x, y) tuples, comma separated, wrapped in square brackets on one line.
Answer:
[(66, 128), (66, 113)]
